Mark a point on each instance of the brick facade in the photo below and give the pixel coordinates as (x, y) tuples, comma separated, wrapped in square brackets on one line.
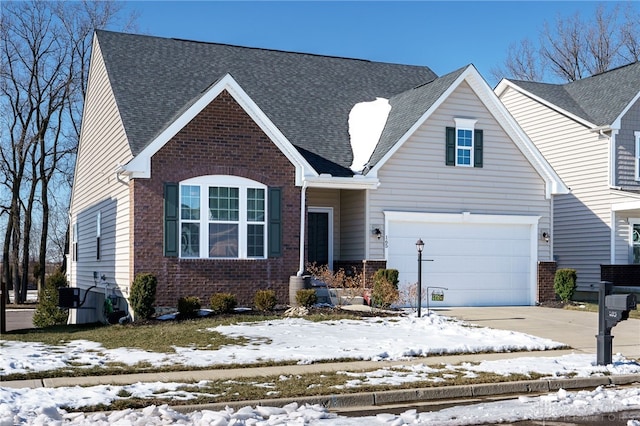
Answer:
[(546, 277), (221, 140)]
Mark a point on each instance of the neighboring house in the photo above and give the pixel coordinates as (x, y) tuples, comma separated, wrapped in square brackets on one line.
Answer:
[(221, 168), (589, 131)]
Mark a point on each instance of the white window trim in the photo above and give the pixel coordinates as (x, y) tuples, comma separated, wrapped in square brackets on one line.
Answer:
[(465, 124), (637, 156), (74, 242), (204, 182), (98, 234)]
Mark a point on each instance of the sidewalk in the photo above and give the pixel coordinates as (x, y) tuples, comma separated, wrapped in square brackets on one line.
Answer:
[(575, 328)]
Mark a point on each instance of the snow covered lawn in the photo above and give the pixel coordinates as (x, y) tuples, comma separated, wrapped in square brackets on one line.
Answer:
[(289, 339), (390, 338)]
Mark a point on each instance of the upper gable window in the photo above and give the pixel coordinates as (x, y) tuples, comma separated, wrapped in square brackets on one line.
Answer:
[(464, 144), (637, 156), (222, 217)]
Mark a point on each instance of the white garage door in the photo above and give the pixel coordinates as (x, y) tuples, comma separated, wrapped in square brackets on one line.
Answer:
[(483, 260)]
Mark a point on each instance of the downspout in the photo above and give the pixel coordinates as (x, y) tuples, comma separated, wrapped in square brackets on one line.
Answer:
[(303, 215)]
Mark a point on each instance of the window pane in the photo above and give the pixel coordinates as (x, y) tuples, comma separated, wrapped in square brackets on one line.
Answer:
[(255, 205), (255, 240), (190, 240), (464, 137), (464, 156), (224, 203), (190, 203), (223, 240)]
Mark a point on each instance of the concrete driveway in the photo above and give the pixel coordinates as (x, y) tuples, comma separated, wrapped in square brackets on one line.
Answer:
[(577, 329)]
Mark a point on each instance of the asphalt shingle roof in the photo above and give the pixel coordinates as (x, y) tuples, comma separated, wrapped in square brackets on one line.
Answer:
[(599, 99), (308, 97)]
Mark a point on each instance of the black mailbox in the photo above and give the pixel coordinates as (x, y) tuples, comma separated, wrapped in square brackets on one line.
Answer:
[(617, 307)]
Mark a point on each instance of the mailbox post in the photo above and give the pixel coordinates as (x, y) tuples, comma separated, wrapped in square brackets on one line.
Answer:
[(612, 308)]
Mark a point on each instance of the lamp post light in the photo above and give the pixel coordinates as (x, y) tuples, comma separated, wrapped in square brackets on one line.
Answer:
[(420, 247)]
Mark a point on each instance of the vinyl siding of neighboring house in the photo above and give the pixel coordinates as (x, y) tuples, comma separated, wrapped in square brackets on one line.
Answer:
[(626, 149), (582, 219), (97, 188), (416, 178)]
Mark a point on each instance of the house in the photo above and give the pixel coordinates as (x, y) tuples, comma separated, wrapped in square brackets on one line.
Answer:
[(589, 131), (221, 168)]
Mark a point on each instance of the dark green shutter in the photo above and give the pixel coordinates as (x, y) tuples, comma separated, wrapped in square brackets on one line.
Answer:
[(477, 148), (171, 204), (275, 222), (451, 146)]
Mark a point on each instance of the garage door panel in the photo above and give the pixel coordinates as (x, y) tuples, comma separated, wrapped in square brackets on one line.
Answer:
[(480, 263)]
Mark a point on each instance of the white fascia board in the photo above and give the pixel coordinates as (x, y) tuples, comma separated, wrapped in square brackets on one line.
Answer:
[(329, 182), (629, 205), (464, 217), (374, 171), (140, 165), (617, 122)]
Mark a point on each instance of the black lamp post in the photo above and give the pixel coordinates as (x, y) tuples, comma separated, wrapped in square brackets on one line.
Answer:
[(420, 247)]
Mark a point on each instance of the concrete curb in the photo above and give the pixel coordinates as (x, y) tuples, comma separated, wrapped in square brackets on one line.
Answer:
[(423, 395)]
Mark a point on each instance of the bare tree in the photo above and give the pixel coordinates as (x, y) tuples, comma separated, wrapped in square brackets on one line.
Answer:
[(44, 58), (574, 48)]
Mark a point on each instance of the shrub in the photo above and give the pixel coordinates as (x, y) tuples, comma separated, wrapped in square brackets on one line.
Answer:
[(564, 283), (385, 288), (350, 283), (189, 306), (306, 297), (265, 300), (143, 295), (47, 312), (223, 303)]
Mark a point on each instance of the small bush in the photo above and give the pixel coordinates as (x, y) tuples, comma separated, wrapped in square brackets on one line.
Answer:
[(306, 297), (385, 288), (189, 306), (564, 283), (223, 303), (265, 300), (143, 295), (47, 312)]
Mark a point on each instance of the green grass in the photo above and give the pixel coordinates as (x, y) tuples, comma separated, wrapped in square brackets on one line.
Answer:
[(294, 386), (593, 307)]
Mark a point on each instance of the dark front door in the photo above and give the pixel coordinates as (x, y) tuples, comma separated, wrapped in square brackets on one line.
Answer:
[(318, 234)]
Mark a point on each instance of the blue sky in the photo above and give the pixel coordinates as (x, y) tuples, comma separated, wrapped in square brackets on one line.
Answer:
[(441, 35)]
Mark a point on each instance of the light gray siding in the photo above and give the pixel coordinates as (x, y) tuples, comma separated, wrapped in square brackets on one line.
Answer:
[(353, 225), (626, 149), (416, 178), (97, 187), (582, 220)]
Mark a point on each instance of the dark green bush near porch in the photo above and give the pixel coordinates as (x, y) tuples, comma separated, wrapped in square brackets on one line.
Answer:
[(223, 303), (265, 300), (143, 295), (385, 288), (564, 283), (306, 297), (47, 312), (188, 306)]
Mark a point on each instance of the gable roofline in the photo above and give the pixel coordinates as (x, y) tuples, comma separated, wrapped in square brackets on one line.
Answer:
[(140, 165), (504, 84), (553, 183), (617, 122)]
